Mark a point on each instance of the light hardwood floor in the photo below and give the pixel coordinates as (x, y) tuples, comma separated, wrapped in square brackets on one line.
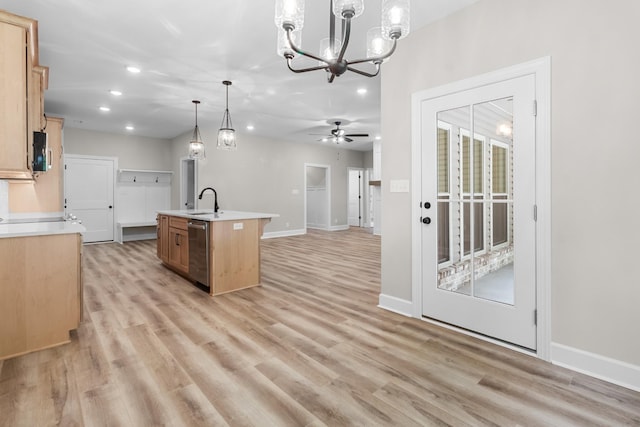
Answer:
[(308, 348)]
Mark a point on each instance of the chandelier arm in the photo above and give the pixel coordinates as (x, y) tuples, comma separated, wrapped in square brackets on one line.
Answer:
[(377, 59), (331, 77), (364, 73), (345, 41), (299, 51), (304, 70), (332, 28)]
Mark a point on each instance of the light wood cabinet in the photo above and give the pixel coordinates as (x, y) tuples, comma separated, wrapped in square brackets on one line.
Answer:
[(179, 249), (22, 83), (40, 291), (234, 251), (173, 242), (13, 103), (163, 238)]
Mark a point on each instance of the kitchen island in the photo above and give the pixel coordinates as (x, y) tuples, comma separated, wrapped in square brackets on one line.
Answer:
[(40, 285), (219, 251)]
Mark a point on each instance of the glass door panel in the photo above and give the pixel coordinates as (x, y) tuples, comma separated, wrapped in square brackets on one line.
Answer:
[(493, 266), (475, 200)]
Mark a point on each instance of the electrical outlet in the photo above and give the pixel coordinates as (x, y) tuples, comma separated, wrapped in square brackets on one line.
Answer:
[(238, 226)]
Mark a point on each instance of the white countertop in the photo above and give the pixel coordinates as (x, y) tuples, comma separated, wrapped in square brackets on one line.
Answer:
[(222, 215), (40, 228)]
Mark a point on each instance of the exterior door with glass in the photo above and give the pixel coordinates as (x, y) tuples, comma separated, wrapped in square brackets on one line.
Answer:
[(478, 231)]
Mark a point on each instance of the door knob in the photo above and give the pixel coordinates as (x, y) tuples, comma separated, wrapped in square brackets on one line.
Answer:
[(426, 220), (427, 205)]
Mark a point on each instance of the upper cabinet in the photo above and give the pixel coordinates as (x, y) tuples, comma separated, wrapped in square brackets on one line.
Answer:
[(22, 84)]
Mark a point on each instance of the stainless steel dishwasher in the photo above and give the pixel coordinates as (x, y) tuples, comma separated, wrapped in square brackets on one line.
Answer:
[(199, 251)]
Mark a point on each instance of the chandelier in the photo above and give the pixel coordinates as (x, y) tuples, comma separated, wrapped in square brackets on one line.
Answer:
[(381, 41)]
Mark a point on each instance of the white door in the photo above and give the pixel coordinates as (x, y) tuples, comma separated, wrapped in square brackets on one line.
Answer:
[(89, 195), (355, 208), (478, 229)]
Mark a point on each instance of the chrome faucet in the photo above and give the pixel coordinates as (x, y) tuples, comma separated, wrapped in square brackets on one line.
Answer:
[(215, 198)]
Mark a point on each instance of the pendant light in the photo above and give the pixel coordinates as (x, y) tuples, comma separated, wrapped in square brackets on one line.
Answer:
[(226, 134), (196, 146)]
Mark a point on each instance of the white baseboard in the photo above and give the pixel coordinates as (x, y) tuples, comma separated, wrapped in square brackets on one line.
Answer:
[(339, 227), (614, 371), (396, 305), (285, 233)]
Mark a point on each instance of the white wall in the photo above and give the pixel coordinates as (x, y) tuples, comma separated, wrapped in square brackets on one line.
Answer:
[(264, 175), (133, 152), (595, 69)]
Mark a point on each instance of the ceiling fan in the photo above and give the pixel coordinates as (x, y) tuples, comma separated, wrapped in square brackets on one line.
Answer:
[(339, 135)]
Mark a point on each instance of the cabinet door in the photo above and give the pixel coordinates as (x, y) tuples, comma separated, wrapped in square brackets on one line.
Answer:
[(163, 238), (179, 249), (13, 103)]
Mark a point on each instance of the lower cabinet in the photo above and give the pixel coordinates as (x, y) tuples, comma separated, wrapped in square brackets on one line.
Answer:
[(40, 291), (173, 242), (179, 249)]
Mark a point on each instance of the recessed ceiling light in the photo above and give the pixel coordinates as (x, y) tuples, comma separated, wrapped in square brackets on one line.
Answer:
[(105, 109), (115, 92), (378, 137), (362, 91), (129, 127), (250, 127), (132, 69)]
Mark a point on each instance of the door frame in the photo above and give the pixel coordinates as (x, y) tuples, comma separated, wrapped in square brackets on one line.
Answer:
[(327, 172), (361, 202), (541, 69), (116, 203), (183, 184)]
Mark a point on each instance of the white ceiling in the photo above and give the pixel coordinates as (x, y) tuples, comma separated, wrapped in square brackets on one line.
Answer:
[(185, 49)]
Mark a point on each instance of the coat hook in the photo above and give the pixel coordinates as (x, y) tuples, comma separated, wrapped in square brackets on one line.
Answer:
[(134, 179)]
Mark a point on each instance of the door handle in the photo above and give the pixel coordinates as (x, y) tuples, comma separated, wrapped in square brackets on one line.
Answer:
[(426, 220)]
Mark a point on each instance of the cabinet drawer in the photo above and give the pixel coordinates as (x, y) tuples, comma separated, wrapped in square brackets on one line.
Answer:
[(177, 222)]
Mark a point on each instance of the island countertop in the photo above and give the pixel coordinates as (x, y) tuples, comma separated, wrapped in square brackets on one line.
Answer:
[(222, 215), (40, 228)]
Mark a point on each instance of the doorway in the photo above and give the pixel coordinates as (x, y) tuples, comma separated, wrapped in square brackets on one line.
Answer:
[(477, 192), (188, 183), (356, 214), (317, 182), (89, 194)]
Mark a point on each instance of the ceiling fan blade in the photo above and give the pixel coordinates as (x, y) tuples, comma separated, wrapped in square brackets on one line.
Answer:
[(348, 139), (363, 135)]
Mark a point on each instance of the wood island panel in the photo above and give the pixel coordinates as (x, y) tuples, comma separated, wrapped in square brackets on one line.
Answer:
[(234, 251), (40, 291), (234, 255)]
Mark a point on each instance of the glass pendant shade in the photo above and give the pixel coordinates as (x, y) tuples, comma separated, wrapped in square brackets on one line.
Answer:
[(227, 139), (377, 45), (341, 6), (283, 42), (196, 146), (326, 52), (395, 19), (291, 12), (226, 134)]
